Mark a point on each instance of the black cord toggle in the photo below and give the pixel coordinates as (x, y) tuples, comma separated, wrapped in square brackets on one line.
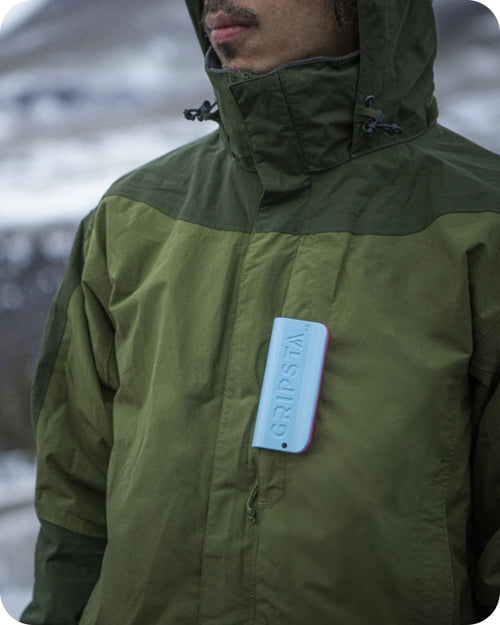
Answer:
[(377, 121), (199, 113)]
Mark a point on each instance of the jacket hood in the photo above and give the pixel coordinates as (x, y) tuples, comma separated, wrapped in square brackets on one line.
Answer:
[(397, 51)]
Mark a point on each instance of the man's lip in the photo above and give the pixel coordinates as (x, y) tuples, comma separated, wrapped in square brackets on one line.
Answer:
[(216, 21), (227, 33), (221, 27)]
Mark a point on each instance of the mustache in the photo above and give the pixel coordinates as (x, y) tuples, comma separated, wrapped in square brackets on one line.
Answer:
[(226, 6)]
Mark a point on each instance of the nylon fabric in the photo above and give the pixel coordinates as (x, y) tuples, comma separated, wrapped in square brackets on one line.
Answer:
[(152, 365)]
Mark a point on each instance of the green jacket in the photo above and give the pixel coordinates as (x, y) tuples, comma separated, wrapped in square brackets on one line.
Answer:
[(155, 508)]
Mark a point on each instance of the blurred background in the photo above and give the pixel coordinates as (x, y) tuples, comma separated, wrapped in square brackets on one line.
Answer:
[(90, 89)]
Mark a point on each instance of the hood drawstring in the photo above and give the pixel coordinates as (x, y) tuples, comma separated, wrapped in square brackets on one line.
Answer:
[(377, 120), (199, 113), (370, 127)]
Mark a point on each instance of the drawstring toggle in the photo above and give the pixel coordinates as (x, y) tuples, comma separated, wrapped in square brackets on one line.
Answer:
[(377, 121), (199, 113)]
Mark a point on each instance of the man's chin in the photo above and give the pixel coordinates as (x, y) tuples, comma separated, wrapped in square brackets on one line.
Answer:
[(237, 63), (226, 53)]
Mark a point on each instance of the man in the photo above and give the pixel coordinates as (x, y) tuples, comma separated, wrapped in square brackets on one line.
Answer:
[(258, 40), (328, 194)]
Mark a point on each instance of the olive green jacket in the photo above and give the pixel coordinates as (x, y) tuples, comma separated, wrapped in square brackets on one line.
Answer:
[(305, 203)]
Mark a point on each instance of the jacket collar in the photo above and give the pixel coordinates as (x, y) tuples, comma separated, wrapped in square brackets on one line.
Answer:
[(291, 122), (397, 49)]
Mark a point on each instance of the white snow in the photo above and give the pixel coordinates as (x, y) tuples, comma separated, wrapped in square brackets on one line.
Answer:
[(61, 178), (17, 479), (18, 530)]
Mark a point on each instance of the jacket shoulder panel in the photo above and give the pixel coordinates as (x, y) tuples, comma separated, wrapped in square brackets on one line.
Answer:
[(194, 184)]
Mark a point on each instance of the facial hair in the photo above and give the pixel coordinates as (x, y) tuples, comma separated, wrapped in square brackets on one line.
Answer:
[(226, 6)]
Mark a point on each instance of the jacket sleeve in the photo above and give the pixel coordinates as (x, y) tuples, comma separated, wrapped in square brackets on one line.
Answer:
[(72, 412), (67, 567), (486, 471)]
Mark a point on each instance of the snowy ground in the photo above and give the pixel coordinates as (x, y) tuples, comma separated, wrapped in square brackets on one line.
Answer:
[(18, 529), (63, 177)]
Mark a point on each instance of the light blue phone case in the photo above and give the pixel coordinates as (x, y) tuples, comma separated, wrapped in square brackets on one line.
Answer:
[(291, 386)]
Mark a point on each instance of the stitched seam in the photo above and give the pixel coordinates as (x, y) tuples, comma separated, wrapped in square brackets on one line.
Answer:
[(494, 323), (213, 474)]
